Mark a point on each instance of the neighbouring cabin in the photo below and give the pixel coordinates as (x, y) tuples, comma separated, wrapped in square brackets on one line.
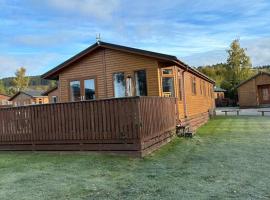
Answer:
[(53, 94), (4, 101), (28, 97), (220, 96), (255, 91), (107, 70)]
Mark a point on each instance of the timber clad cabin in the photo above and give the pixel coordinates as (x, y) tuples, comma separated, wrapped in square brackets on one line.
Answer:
[(107, 70), (219, 96), (112, 98), (28, 97), (4, 100), (255, 91)]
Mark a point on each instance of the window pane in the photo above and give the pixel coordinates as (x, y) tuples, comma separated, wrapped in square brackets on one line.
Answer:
[(141, 85), (119, 85), (75, 91), (54, 99), (167, 71), (89, 89), (168, 86)]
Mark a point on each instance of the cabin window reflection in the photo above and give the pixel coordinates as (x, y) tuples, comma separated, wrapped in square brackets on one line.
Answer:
[(119, 84), (89, 89), (140, 83), (168, 86), (167, 71), (75, 91)]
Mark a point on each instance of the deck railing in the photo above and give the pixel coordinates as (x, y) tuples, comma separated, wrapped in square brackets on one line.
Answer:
[(133, 121)]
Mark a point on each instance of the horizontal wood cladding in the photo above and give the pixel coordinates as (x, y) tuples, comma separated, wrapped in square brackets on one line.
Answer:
[(103, 64), (117, 61), (200, 102), (90, 65), (192, 104), (54, 93), (247, 94)]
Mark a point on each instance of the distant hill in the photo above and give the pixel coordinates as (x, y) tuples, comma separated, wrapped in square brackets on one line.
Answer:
[(35, 82)]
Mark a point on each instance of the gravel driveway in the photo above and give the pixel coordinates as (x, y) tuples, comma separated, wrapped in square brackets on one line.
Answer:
[(248, 111)]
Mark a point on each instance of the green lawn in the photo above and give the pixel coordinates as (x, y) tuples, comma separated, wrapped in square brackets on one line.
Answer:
[(229, 158)]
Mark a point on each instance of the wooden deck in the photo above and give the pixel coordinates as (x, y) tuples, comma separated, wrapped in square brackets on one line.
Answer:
[(136, 125)]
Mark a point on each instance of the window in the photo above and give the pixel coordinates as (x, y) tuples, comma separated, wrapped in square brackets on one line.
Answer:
[(201, 90), (265, 94), (89, 89), (119, 84), (193, 83), (39, 101), (167, 71), (75, 91), (180, 85), (129, 86), (204, 89), (54, 99), (168, 86), (140, 83)]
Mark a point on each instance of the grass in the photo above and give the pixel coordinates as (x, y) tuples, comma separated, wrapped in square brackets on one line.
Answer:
[(229, 158)]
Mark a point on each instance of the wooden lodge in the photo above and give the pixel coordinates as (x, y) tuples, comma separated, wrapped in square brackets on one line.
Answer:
[(28, 97), (107, 70), (255, 92), (4, 100), (112, 98)]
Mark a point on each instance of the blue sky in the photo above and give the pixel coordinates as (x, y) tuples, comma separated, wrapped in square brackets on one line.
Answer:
[(41, 34)]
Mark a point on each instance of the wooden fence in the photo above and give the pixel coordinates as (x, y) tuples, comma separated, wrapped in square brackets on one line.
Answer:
[(124, 124)]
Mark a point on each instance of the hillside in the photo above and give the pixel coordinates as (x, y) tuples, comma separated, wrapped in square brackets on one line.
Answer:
[(35, 82)]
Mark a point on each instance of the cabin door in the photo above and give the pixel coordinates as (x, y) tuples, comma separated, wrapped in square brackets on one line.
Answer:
[(83, 89), (264, 94)]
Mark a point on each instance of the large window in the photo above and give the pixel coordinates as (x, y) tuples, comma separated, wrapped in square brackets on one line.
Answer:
[(180, 84), (75, 91), (89, 89), (204, 89), (168, 86), (193, 84), (119, 84), (140, 83), (168, 82)]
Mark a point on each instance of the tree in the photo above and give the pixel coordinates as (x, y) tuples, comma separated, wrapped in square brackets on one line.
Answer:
[(2, 88), (20, 82), (238, 67)]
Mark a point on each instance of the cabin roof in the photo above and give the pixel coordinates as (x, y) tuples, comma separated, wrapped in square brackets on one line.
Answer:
[(5, 95), (255, 76), (219, 89), (53, 73), (49, 90), (31, 93)]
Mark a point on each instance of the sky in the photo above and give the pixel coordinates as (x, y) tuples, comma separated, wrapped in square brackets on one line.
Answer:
[(39, 35)]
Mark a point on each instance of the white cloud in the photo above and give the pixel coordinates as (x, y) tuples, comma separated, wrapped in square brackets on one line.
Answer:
[(100, 9), (258, 49), (33, 63)]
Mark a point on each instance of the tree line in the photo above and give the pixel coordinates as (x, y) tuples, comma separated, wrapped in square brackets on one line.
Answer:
[(237, 69), (21, 81)]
